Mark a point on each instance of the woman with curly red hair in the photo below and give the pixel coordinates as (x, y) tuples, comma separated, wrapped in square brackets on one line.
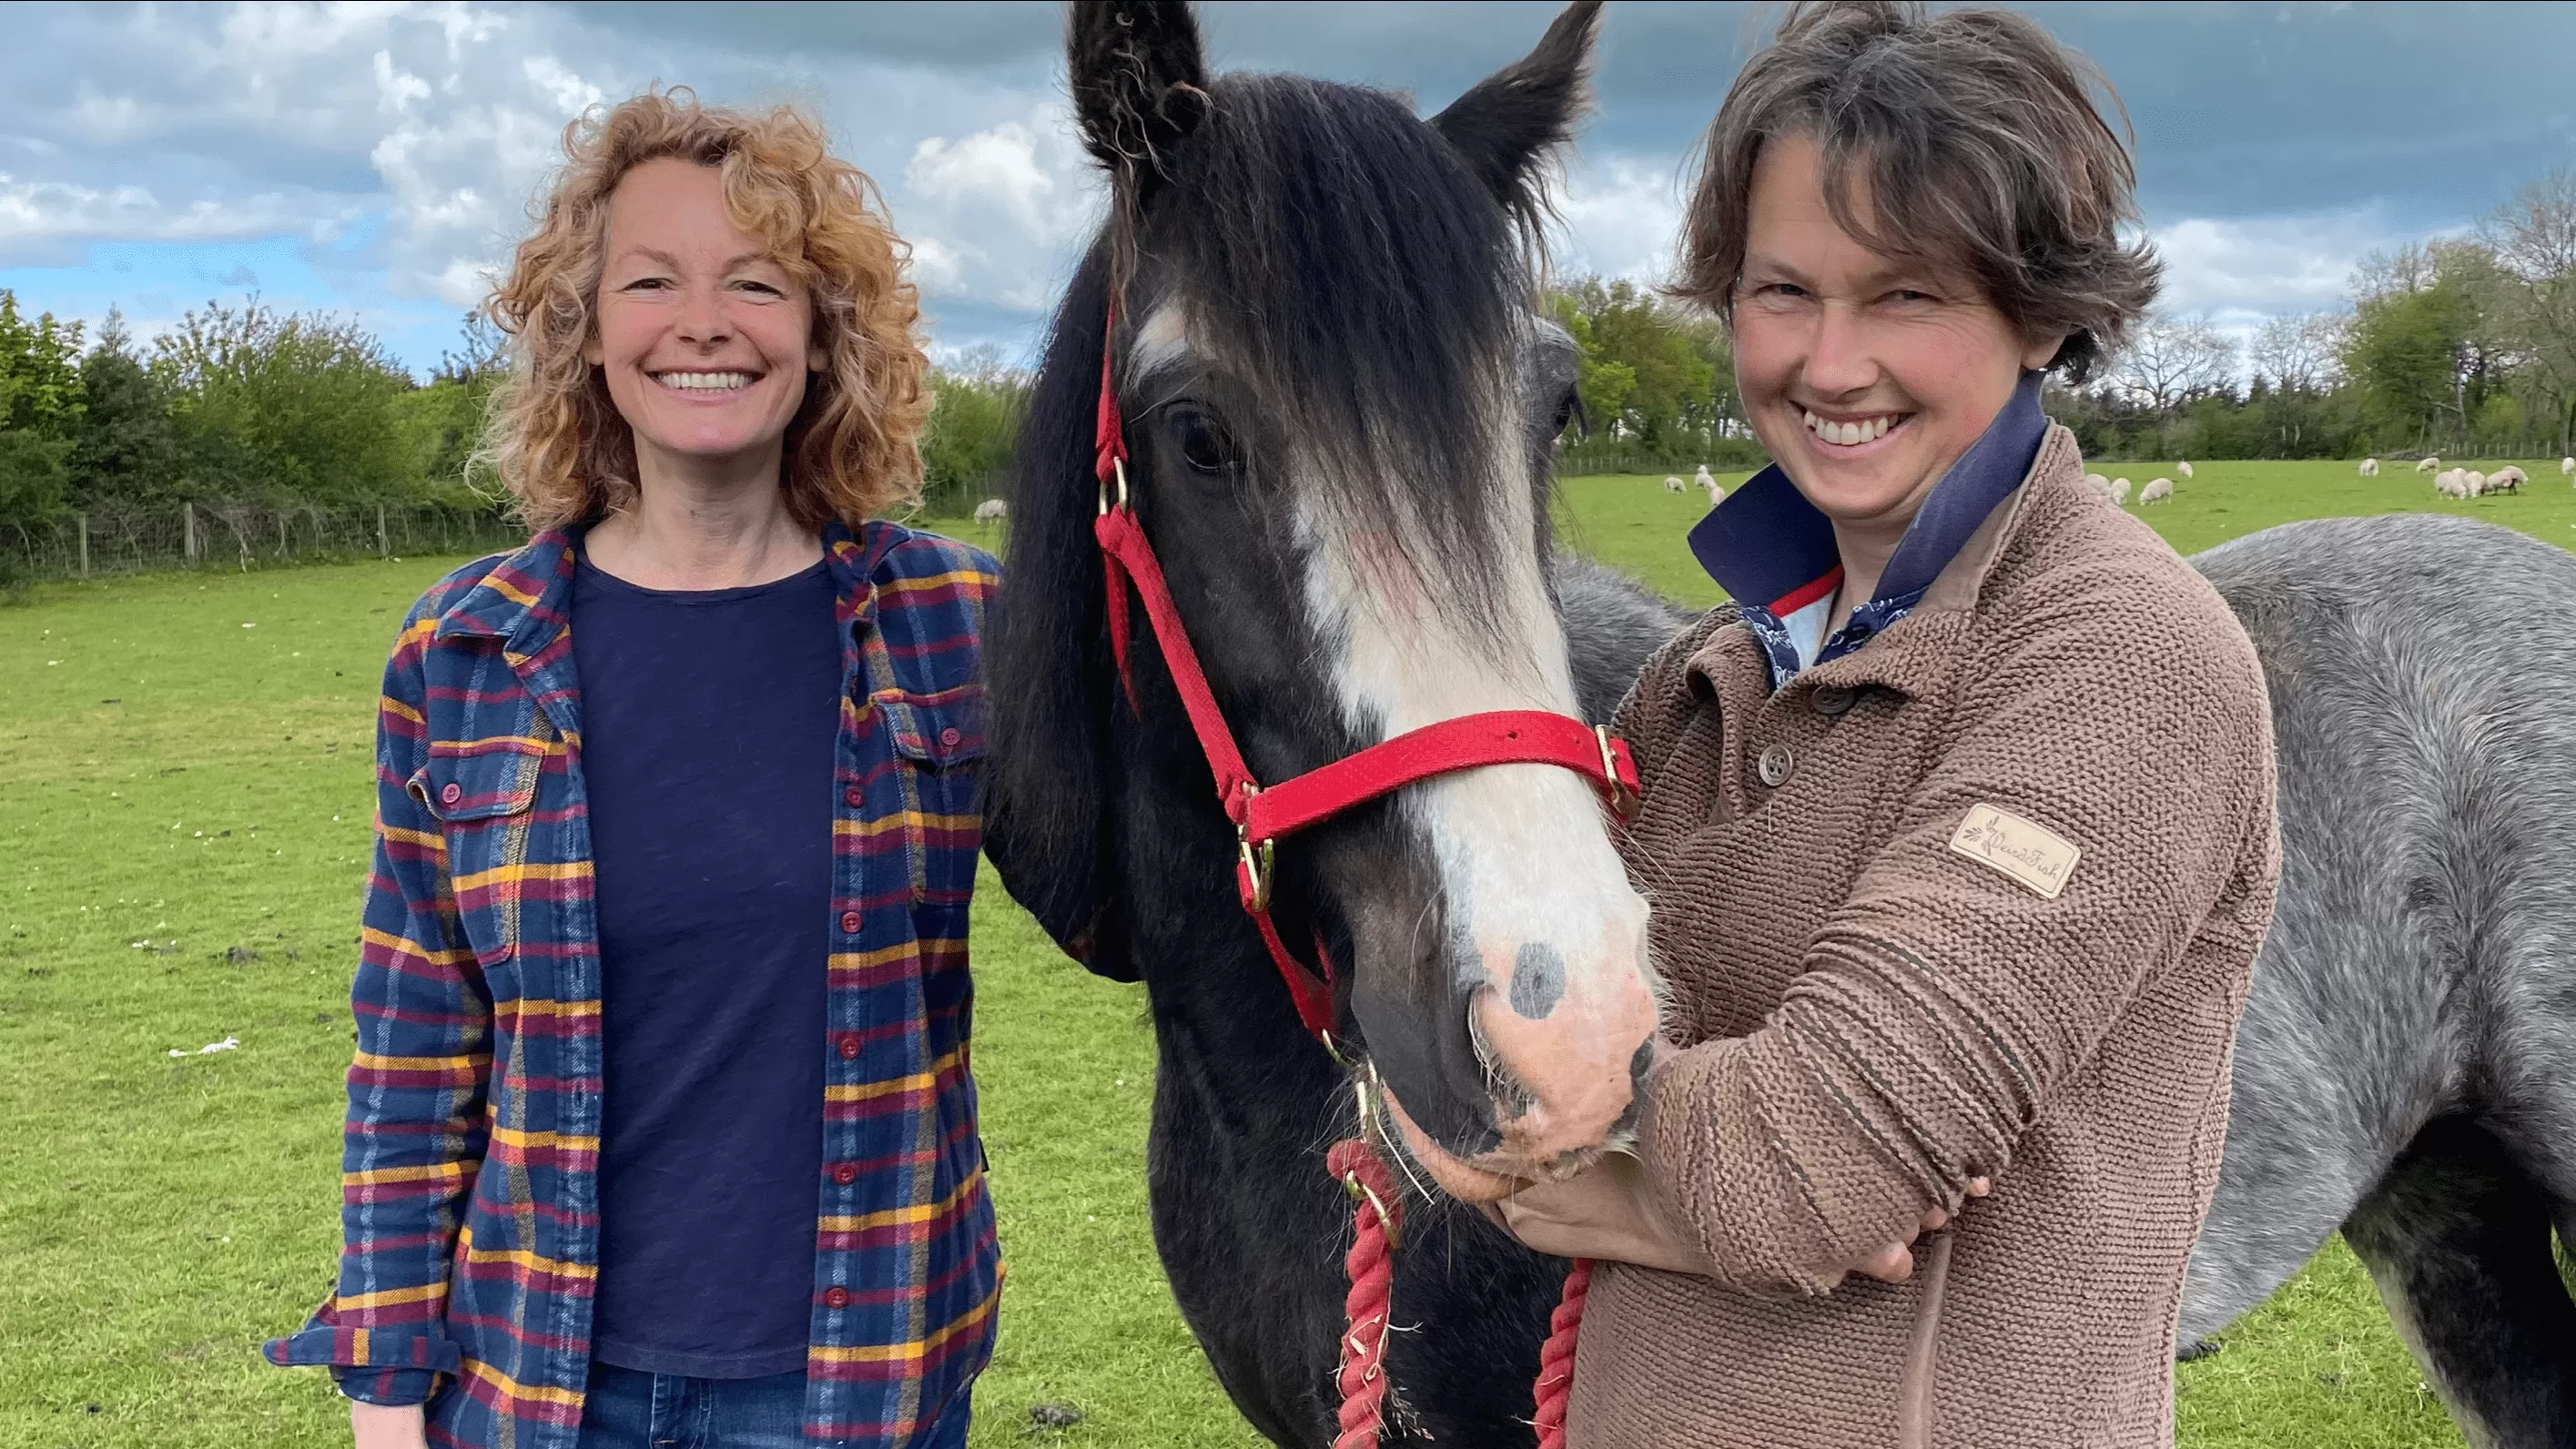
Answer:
[(660, 1128)]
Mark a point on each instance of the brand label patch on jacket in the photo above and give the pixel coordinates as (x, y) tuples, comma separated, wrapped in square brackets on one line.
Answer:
[(2035, 855)]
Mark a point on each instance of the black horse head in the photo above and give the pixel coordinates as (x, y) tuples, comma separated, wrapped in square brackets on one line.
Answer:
[(1340, 411)]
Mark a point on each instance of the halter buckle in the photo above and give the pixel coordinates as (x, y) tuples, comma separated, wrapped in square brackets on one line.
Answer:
[(1117, 466), (1257, 863), (1623, 801)]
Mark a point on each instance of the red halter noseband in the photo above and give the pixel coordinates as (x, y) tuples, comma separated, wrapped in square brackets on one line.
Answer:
[(1262, 816)]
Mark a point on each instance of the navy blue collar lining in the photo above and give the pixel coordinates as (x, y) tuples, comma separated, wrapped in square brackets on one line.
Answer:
[(1766, 543)]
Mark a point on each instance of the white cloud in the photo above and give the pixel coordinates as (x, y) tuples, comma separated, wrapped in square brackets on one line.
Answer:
[(2239, 271), (993, 215), (1621, 215)]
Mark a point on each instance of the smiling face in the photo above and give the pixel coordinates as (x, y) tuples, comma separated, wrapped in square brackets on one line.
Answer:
[(1866, 376), (704, 339)]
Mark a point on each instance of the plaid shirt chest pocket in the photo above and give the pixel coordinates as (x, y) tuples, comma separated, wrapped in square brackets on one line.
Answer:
[(938, 738), (483, 792)]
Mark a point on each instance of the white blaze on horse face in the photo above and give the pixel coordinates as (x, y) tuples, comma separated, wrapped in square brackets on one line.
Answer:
[(1553, 936)]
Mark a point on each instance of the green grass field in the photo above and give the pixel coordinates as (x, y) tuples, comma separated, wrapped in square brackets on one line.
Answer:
[(184, 797)]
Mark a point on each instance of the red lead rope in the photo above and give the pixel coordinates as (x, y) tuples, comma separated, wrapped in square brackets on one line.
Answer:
[(1262, 817)]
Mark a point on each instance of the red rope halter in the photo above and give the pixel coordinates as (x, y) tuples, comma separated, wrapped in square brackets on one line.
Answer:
[(1261, 818)]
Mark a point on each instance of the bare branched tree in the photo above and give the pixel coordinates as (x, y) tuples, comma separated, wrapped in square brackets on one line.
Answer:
[(2533, 303), (2171, 360), (2301, 352)]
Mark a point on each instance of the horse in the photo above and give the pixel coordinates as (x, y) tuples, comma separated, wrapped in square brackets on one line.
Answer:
[(1341, 406), (2401, 1071)]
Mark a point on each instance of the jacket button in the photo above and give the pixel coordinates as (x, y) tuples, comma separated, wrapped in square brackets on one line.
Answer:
[(836, 1297), (845, 1173), (1831, 699), (450, 793), (849, 1048), (849, 923), (949, 737), (1774, 765), (854, 797)]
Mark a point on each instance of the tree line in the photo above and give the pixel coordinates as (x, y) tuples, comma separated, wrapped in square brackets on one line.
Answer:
[(2459, 345)]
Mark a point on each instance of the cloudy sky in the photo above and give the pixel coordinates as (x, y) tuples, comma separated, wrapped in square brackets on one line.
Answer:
[(376, 160)]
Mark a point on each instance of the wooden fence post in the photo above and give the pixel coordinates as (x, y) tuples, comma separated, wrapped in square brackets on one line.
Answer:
[(188, 532), (81, 520), (384, 549)]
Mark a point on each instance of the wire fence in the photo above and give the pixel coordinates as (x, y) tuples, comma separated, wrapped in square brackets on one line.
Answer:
[(242, 536)]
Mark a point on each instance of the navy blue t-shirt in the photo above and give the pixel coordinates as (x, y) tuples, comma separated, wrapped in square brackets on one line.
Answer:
[(709, 721)]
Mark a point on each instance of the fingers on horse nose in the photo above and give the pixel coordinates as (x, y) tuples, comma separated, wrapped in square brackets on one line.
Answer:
[(1569, 1036)]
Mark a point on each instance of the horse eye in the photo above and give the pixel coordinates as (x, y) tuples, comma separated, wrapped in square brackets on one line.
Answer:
[(1568, 408), (1204, 443)]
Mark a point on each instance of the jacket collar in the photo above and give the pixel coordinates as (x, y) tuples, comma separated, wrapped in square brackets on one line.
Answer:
[(526, 599), (1769, 548)]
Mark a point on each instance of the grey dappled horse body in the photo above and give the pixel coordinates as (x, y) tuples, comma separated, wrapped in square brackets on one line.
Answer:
[(2406, 1068)]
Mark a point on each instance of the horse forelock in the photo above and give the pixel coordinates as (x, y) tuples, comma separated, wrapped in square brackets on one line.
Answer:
[(1370, 299)]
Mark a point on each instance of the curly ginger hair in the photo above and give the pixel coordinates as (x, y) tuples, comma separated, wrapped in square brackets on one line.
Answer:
[(852, 450)]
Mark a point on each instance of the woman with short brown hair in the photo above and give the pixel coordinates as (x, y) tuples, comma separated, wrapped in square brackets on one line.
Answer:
[(660, 1130), (1959, 840)]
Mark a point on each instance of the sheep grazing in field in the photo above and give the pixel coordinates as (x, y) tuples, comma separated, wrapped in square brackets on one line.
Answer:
[(992, 510), (2370, 467), (2183, 468), (2567, 465), (2507, 479), (1672, 484), (1716, 494), (2474, 481), (2098, 484), (2428, 464), (1700, 476), (2120, 492), (2156, 491)]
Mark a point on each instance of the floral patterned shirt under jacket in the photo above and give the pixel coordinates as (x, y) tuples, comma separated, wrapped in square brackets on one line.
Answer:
[(469, 1186)]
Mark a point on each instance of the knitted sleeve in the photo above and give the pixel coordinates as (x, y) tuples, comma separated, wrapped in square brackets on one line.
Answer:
[(2107, 771)]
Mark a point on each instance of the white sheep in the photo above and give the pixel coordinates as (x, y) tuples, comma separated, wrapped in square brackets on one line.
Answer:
[(2452, 483), (2474, 481), (1700, 477), (2370, 467), (992, 510), (1716, 494), (1672, 484), (2098, 483), (2120, 492), (2567, 465), (2183, 468), (2156, 491), (2428, 464), (2507, 479)]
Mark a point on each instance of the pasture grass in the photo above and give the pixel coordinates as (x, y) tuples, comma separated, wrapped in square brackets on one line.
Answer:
[(1631, 523), (183, 837)]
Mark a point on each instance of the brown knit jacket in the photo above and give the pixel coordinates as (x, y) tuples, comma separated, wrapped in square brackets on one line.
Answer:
[(1885, 990)]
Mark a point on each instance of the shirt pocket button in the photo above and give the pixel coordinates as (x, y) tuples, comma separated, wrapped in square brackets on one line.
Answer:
[(1774, 765)]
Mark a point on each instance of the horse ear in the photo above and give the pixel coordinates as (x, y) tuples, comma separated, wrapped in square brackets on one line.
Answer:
[(1139, 80), (1052, 818), (1520, 114)]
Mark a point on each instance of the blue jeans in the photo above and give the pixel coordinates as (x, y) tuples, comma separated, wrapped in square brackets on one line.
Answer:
[(631, 1409)]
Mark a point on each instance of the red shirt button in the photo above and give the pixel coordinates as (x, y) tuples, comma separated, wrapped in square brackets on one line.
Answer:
[(849, 1048), (949, 737), (450, 793), (845, 1173), (836, 1297), (854, 797), (849, 923)]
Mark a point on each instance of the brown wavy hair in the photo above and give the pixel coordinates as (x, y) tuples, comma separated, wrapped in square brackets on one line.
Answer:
[(1981, 146), (558, 443)]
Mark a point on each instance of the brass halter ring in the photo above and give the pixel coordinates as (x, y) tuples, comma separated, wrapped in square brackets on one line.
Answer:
[(1623, 801)]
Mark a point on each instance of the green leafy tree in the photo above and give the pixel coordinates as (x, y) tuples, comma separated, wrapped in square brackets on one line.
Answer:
[(284, 408), (974, 428), (40, 384), (124, 451)]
